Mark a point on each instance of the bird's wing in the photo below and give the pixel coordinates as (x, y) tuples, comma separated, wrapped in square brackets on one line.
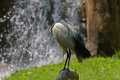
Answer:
[(76, 35), (78, 38)]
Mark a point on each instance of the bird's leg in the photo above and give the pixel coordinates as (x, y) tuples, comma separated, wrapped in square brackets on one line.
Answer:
[(66, 61), (69, 53)]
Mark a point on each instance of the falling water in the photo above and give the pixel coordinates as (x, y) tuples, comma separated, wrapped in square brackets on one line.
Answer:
[(27, 40)]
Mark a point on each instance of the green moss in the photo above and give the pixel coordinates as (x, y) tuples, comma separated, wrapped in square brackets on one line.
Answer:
[(91, 69)]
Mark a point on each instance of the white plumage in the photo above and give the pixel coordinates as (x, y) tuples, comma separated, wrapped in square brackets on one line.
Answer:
[(63, 35)]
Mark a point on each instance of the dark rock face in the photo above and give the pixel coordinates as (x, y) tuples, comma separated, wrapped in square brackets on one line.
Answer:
[(67, 74), (5, 13), (4, 6)]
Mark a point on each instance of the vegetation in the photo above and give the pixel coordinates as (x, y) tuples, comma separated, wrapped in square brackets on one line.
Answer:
[(97, 68)]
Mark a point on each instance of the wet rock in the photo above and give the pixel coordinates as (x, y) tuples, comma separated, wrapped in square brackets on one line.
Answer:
[(3, 70), (67, 74)]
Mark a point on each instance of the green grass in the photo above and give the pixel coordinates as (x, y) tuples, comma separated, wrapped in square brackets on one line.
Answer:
[(91, 69)]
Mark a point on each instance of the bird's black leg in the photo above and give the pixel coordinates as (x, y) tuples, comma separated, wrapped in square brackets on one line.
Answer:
[(66, 61), (69, 56)]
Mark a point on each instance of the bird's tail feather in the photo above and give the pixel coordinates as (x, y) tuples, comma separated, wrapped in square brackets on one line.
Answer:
[(81, 52)]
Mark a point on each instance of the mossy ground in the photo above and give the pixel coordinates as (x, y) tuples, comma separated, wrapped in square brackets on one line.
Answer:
[(97, 68)]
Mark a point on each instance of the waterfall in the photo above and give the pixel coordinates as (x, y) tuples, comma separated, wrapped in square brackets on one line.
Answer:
[(28, 39)]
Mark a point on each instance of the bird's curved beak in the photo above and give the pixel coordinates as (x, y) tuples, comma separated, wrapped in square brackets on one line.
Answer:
[(50, 28)]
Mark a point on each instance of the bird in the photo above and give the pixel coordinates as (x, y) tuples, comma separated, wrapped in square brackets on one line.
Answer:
[(70, 40)]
